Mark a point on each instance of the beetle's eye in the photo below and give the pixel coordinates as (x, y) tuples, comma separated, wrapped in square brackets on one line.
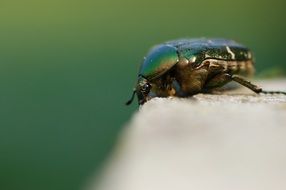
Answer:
[(146, 88)]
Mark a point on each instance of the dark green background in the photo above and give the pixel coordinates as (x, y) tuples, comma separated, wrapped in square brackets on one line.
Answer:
[(67, 67)]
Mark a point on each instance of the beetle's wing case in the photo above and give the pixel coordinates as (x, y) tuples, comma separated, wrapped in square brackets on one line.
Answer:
[(159, 60), (201, 49)]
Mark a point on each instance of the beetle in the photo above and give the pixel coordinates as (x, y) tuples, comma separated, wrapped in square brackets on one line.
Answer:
[(186, 67)]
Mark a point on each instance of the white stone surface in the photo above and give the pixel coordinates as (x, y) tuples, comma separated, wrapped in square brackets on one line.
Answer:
[(230, 141)]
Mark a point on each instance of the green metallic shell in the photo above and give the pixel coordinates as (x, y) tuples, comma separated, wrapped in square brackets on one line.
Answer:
[(163, 57), (158, 61), (203, 48)]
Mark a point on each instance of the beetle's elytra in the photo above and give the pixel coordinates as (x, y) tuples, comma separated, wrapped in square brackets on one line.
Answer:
[(186, 67)]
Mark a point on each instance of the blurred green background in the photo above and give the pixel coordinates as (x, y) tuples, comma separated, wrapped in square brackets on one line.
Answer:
[(67, 67)]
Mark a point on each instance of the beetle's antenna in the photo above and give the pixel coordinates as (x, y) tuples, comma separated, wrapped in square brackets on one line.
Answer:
[(131, 99)]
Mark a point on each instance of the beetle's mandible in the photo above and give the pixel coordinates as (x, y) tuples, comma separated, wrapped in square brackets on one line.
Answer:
[(186, 67)]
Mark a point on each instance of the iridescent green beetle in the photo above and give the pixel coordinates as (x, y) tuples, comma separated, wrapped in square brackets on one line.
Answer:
[(189, 66)]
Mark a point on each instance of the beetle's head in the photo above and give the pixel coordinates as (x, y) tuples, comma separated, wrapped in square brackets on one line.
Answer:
[(158, 61), (142, 90)]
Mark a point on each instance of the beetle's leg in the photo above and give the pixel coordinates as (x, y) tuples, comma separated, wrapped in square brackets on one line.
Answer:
[(224, 78), (273, 92), (246, 83), (218, 81), (132, 97), (253, 87)]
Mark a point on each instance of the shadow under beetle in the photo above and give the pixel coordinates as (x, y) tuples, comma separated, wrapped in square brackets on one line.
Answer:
[(186, 67)]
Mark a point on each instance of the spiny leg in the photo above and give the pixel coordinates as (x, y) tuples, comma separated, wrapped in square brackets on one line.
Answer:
[(253, 87), (273, 92), (246, 83), (224, 78)]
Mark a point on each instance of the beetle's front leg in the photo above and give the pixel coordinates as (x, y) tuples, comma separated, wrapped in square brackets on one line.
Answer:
[(164, 87)]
